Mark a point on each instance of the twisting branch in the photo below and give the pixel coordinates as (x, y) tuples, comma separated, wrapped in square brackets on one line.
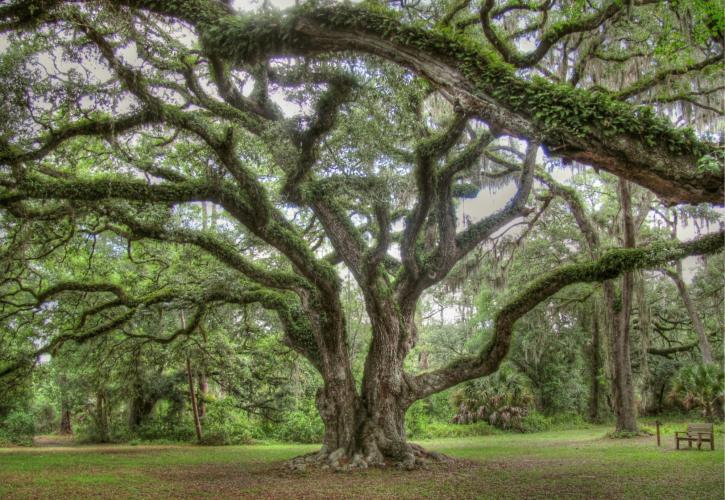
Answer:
[(326, 113), (427, 153), (516, 207), (550, 36), (662, 76)]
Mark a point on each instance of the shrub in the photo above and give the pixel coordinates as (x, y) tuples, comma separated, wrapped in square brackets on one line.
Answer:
[(156, 428), (18, 428), (416, 419), (435, 430), (225, 423), (535, 422), (303, 425)]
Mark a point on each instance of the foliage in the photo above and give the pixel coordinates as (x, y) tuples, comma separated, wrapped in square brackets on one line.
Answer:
[(226, 424), (17, 427), (300, 425), (506, 387), (503, 398), (438, 430), (701, 386)]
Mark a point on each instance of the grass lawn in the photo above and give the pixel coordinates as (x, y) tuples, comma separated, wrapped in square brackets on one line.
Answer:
[(576, 463)]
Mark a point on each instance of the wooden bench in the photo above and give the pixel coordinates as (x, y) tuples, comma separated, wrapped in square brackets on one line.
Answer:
[(700, 433)]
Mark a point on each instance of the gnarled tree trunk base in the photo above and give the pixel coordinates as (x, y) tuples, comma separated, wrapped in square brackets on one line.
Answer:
[(411, 457)]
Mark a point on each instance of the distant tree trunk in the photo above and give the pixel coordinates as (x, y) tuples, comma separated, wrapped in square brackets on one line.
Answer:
[(679, 280), (65, 422), (192, 397), (141, 403), (595, 364), (692, 311), (619, 310), (102, 417), (139, 408), (643, 316), (65, 411), (203, 389), (423, 363)]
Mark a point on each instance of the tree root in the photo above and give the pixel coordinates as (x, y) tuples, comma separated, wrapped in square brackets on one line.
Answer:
[(414, 457)]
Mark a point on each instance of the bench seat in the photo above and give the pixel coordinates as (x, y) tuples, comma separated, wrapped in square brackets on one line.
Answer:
[(699, 433)]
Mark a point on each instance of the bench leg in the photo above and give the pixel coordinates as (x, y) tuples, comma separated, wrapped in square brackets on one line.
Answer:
[(689, 443), (677, 444)]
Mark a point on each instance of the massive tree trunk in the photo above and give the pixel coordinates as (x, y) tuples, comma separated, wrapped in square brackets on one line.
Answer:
[(368, 427)]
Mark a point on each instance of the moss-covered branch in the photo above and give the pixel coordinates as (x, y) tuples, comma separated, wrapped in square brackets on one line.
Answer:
[(98, 126), (610, 265), (590, 127)]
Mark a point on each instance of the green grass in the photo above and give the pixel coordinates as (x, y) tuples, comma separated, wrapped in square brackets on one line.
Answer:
[(578, 463)]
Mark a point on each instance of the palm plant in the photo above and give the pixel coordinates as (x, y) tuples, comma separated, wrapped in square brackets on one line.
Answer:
[(478, 399), (700, 386)]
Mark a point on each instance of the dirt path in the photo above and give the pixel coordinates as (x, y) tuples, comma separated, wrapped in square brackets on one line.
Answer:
[(53, 440)]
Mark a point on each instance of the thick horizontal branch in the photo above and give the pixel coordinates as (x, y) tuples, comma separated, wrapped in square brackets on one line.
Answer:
[(100, 126), (76, 286), (612, 264), (666, 351)]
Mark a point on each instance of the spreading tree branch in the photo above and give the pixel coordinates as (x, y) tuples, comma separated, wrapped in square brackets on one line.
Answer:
[(610, 265)]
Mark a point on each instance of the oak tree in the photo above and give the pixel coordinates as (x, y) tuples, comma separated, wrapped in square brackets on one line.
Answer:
[(340, 137)]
